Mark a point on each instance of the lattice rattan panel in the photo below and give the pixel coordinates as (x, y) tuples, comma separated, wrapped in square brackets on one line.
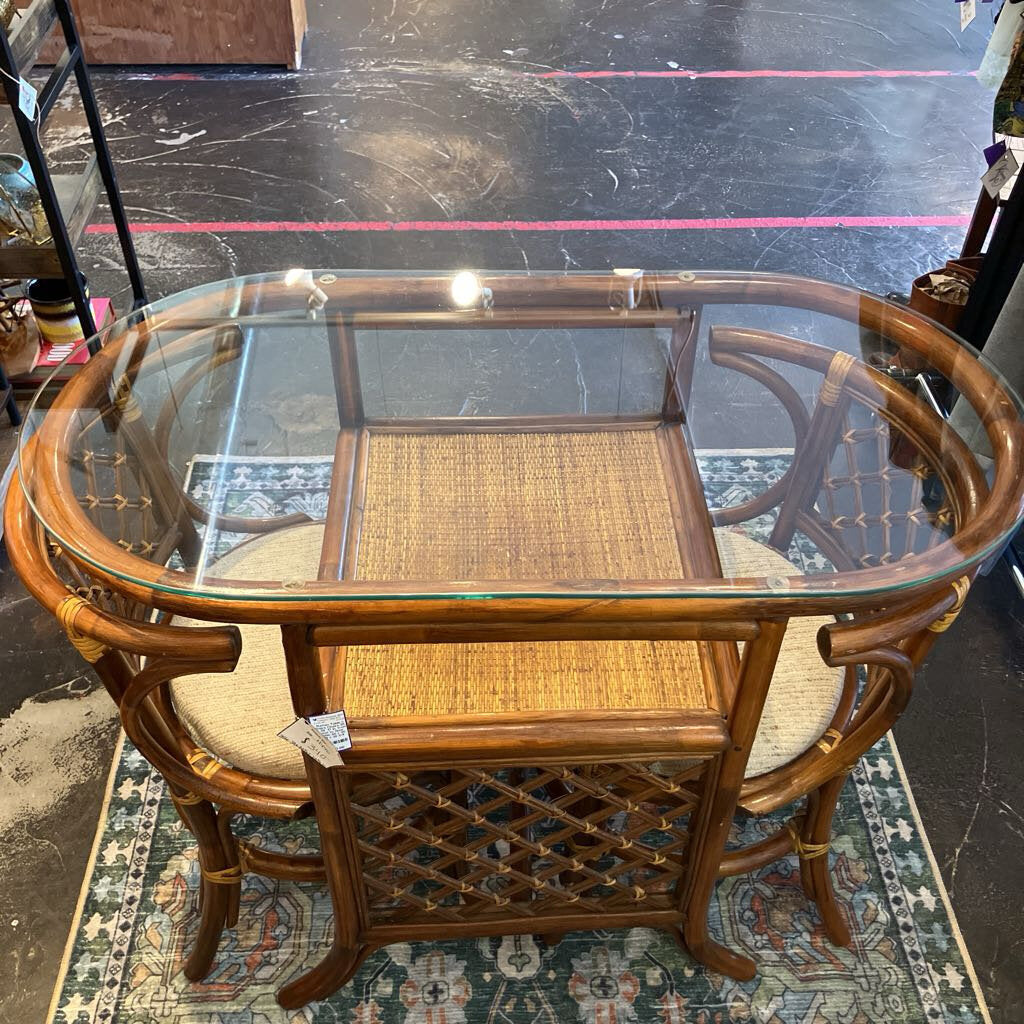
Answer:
[(116, 494), (880, 499), (470, 843)]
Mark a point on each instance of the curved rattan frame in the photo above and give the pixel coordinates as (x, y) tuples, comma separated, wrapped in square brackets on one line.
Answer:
[(995, 509)]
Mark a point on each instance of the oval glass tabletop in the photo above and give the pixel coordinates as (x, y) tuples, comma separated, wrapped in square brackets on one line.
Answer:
[(313, 436)]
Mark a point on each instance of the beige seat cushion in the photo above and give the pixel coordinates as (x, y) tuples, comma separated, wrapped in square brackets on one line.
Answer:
[(805, 692), (237, 716)]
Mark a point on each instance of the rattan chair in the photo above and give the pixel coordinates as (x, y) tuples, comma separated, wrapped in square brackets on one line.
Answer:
[(866, 434), (127, 651)]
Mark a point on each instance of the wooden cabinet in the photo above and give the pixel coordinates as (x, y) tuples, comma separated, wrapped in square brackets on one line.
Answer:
[(189, 31)]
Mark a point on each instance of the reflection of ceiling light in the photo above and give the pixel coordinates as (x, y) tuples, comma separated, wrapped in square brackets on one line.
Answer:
[(633, 288), (466, 288), (316, 297)]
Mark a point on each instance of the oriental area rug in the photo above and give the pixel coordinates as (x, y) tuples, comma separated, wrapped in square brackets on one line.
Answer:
[(137, 913)]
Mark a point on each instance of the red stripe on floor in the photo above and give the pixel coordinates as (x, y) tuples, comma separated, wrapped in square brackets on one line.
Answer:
[(663, 224), (762, 73), (193, 76)]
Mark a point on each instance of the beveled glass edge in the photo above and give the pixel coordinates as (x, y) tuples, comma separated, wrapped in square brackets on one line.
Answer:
[(713, 588)]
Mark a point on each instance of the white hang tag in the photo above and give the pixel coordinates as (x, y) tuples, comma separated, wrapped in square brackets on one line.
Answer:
[(335, 727), (310, 740), (999, 173), (967, 12), (27, 99)]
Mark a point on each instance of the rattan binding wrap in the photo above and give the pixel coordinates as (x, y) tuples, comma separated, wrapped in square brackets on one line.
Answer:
[(125, 401), (805, 850), (67, 611), (835, 378), (960, 588), (224, 876)]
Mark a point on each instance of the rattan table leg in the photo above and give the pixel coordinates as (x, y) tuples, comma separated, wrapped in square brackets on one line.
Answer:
[(756, 670), (335, 824)]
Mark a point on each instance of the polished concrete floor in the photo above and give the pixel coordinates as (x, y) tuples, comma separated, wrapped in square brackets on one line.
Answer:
[(412, 116)]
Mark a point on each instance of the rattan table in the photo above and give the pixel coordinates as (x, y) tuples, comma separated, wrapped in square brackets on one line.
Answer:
[(550, 541)]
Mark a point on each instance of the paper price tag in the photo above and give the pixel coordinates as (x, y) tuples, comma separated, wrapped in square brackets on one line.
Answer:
[(999, 173), (968, 10), (313, 742), (335, 727), (27, 99)]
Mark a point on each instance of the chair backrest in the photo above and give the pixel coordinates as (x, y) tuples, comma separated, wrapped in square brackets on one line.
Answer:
[(118, 437), (136, 659), (876, 474)]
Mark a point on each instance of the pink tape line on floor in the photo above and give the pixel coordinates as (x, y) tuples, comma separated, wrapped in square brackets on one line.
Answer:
[(759, 73), (639, 224)]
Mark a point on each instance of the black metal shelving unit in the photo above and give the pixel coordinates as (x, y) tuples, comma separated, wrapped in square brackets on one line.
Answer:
[(67, 199)]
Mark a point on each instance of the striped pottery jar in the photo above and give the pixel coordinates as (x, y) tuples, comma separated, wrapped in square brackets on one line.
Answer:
[(54, 309)]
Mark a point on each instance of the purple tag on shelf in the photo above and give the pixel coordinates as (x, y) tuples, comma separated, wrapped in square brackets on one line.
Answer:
[(994, 152)]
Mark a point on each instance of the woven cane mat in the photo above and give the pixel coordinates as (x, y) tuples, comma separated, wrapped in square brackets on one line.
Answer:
[(521, 506), (138, 914)]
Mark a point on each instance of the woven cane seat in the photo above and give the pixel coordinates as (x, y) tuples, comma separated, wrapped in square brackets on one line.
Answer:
[(586, 505), (805, 692)]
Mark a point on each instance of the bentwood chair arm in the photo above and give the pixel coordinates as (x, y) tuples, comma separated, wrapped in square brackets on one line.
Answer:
[(92, 630), (886, 695), (839, 642), (892, 643), (170, 651)]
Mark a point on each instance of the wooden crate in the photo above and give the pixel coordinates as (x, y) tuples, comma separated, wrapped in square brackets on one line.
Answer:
[(188, 32)]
